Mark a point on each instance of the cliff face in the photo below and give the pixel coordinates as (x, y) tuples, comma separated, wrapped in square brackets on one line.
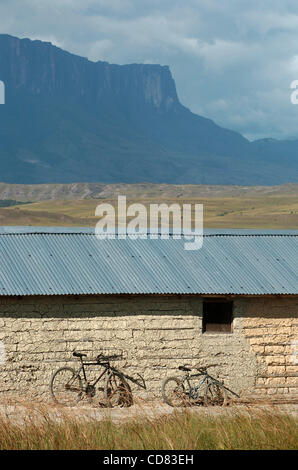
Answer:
[(67, 119)]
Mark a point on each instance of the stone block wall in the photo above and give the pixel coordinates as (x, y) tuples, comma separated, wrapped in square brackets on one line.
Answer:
[(156, 335), (271, 329)]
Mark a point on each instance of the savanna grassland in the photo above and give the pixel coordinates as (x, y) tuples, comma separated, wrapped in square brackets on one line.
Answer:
[(268, 207)]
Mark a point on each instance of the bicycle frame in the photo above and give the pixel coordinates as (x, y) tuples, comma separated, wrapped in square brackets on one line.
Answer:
[(187, 378), (207, 378), (105, 365)]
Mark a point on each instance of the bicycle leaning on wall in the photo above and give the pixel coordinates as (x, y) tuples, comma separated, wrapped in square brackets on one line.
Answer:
[(194, 389), (68, 386)]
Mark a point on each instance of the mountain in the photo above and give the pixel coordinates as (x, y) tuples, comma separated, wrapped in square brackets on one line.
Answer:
[(67, 119)]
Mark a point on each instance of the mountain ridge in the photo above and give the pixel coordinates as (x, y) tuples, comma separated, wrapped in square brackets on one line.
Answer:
[(80, 191)]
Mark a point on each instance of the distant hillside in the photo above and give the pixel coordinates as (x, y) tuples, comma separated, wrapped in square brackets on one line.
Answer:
[(69, 119)]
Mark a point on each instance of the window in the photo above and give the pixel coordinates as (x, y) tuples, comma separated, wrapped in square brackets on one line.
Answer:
[(217, 316)]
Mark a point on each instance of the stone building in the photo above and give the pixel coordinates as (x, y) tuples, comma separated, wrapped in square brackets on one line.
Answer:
[(232, 303)]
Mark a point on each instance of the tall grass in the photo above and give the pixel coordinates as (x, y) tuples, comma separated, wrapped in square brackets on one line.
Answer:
[(179, 431)]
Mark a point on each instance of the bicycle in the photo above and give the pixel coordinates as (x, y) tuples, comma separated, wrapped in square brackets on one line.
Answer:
[(208, 391), (68, 386)]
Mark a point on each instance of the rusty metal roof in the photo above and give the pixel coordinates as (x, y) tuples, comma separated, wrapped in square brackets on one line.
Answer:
[(65, 261)]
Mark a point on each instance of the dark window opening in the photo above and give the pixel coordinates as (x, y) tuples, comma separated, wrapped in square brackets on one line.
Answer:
[(217, 317)]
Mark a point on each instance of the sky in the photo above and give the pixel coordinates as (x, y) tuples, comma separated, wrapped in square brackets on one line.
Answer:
[(233, 61)]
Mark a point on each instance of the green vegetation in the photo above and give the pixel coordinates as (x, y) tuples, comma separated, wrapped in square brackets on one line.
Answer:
[(182, 430), (10, 202)]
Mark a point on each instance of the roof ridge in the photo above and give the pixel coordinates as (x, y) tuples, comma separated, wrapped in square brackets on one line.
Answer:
[(207, 232)]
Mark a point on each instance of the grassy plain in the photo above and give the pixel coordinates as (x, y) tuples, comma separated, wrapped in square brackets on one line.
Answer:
[(274, 207), (269, 212)]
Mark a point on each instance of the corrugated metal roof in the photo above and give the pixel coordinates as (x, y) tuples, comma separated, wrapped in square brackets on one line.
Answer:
[(65, 261)]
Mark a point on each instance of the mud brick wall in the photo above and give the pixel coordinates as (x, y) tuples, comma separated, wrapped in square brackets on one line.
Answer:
[(271, 329), (156, 334)]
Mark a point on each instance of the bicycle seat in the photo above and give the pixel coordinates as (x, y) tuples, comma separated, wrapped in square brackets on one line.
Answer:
[(186, 369), (77, 354)]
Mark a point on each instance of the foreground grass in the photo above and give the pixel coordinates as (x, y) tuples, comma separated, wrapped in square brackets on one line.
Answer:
[(180, 431)]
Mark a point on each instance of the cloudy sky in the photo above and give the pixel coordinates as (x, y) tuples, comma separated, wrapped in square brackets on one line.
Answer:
[(233, 60)]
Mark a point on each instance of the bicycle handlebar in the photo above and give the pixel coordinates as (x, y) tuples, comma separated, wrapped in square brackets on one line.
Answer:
[(197, 366), (102, 358), (187, 367)]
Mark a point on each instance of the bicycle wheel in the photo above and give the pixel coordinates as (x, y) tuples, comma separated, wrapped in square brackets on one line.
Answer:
[(117, 391), (173, 392), (215, 395), (66, 386)]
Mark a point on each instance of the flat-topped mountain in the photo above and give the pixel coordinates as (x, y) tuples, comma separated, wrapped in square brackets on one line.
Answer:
[(67, 119)]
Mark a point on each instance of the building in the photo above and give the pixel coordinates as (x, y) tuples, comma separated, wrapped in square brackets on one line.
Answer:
[(234, 303)]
